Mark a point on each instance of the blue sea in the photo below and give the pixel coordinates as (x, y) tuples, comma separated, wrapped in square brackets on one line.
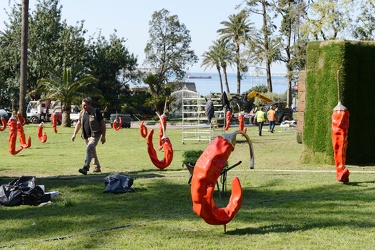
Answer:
[(207, 86)]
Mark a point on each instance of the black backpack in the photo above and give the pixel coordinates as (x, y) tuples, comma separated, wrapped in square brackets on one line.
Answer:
[(22, 191)]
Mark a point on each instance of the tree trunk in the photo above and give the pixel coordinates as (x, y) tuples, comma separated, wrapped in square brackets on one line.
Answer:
[(226, 80), (238, 68), (65, 120), (221, 80), (24, 45), (266, 47)]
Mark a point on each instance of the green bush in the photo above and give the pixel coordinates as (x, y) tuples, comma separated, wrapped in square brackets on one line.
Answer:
[(191, 156), (355, 61)]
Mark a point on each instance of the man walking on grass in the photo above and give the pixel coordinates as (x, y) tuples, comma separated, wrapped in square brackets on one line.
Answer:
[(93, 130)]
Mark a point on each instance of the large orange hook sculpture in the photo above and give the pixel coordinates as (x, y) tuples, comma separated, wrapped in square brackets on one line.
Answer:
[(3, 124), (12, 123), (41, 137), (54, 122), (206, 172), (115, 126), (143, 129), (168, 151)]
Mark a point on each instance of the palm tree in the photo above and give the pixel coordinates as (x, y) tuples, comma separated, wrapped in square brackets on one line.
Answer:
[(219, 55), (237, 29), (212, 58), (24, 47), (225, 51), (70, 88)]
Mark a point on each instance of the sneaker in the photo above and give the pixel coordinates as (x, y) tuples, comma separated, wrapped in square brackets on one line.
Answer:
[(83, 170), (97, 170)]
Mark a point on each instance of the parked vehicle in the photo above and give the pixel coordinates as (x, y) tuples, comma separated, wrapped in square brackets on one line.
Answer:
[(283, 112), (41, 111), (3, 113), (126, 119), (74, 114)]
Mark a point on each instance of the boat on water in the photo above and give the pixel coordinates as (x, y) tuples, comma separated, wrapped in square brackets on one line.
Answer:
[(199, 77)]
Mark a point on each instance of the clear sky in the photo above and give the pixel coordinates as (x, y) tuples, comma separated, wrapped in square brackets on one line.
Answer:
[(131, 20)]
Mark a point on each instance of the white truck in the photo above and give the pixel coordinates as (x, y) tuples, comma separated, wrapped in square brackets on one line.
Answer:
[(38, 111)]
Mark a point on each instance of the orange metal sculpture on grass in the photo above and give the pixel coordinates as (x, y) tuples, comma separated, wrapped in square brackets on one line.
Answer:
[(340, 127), (115, 126), (41, 137), (206, 172), (12, 140), (3, 124), (143, 129), (54, 122), (165, 143)]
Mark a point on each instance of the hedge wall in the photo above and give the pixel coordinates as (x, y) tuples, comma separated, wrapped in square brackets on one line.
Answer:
[(356, 61)]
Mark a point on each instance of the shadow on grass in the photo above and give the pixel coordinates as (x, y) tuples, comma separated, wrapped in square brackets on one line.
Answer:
[(82, 208)]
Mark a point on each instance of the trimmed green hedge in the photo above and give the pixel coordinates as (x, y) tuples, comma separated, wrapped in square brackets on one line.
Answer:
[(356, 61)]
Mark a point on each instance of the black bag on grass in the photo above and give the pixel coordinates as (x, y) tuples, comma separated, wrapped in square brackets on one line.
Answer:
[(22, 191), (117, 183)]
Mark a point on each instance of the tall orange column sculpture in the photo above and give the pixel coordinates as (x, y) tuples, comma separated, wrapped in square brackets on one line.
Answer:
[(54, 122), (340, 127)]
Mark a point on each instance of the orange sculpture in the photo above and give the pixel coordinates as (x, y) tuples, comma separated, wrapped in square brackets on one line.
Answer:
[(168, 151), (42, 137), (340, 127), (21, 134), (12, 123), (228, 116), (54, 122), (20, 119), (3, 124), (143, 129), (241, 123), (166, 144), (206, 172), (115, 126), (162, 128)]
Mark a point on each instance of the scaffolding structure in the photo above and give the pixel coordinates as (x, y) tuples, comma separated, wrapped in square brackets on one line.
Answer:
[(195, 124)]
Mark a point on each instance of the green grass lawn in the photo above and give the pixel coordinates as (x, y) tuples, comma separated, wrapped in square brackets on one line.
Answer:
[(286, 205)]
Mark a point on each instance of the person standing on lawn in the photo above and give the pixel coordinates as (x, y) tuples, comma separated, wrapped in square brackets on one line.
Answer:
[(260, 118), (272, 118), (93, 130)]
